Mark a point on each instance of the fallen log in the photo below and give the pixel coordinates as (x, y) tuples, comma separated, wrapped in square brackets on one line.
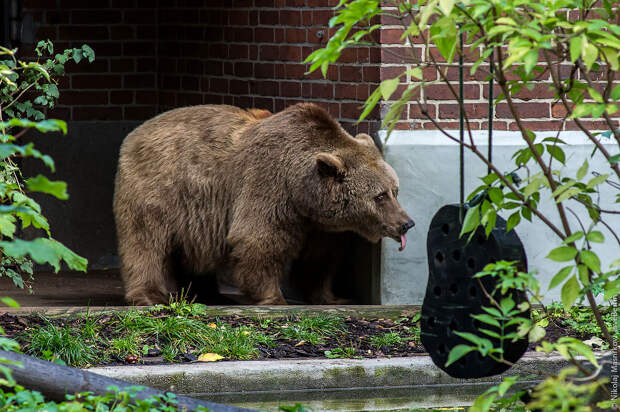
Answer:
[(55, 381)]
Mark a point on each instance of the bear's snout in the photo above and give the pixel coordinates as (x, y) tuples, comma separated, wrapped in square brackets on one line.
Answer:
[(405, 227)]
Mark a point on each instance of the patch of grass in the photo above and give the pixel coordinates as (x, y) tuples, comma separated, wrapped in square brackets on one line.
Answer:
[(128, 345), (312, 329), (348, 352), (234, 343), (64, 342), (386, 339)]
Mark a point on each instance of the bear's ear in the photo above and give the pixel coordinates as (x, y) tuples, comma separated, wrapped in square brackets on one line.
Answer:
[(365, 138), (330, 165)]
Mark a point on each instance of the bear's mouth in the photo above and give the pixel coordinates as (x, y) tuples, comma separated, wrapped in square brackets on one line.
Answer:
[(402, 239)]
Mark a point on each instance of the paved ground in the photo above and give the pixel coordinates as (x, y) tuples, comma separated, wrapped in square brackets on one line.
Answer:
[(96, 288)]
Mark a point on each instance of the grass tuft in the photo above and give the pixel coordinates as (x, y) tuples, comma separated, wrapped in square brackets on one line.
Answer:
[(64, 342)]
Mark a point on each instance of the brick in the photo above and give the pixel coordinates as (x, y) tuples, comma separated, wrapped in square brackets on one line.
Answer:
[(473, 110), (122, 32), (264, 70), (524, 110), (322, 17), (538, 125), (295, 71), (390, 72), (263, 35), (141, 16), (138, 48), (238, 51), (343, 91), (121, 97), (269, 53), (265, 88), (122, 65), (92, 17), (218, 85), (139, 81), (290, 17), (190, 83), (146, 64), (83, 33), (295, 35), (268, 18), (415, 112), (70, 97), (442, 92), (97, 113), (371, 74), (558, 110), (290, 53), (399, 55), (391, 36), (89, 81), (239, 18), (146, 32), (290, 89), (350, 73), (139, 112), (243, 69), (352, 111), (324, 90)]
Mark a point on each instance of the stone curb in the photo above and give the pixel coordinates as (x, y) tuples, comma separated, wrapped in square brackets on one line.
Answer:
[(314, 374)]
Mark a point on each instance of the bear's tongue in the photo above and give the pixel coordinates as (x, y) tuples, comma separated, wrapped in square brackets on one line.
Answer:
[(403, 243)]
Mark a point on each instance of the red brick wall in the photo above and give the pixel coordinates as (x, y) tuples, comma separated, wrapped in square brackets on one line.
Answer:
[(155, 55), (538, 107)]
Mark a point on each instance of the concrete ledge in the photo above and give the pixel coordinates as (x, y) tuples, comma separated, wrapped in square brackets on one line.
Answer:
[(307, 375)]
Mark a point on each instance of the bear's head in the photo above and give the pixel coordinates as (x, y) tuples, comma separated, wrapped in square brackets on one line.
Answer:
[(349, 186)]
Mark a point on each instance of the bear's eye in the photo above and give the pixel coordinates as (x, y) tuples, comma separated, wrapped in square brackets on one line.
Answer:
[(381, 197)]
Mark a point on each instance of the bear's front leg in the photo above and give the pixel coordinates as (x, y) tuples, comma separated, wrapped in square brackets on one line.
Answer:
[(259, 262)]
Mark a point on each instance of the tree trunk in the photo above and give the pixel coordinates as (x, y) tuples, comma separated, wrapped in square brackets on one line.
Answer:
[(54, 381)]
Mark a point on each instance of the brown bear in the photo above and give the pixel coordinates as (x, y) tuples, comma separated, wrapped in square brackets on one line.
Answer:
[(219, 186)]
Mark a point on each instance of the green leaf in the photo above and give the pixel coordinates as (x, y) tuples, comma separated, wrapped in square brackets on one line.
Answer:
[(595, 236), (582, 170), (458, 352), (595, 181), (496, 195), (472, 220), (7, 225), (513, 221), (575, 48), (612, 289), (591, 260), (44, 250), (570, 291), (536, 333), (557, 153), (560, 276), (10, 302), (507, 304), (446, 6), (488, 319), (530, 60), (388, 87), (41, 184), (562, 254), (590, 53), (575, 236), (615, 92)]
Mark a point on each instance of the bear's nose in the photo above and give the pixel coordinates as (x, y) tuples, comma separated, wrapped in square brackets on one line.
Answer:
[(406, 226)]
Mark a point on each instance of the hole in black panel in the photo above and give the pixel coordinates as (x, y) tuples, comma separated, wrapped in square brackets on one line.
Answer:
[(481, 239), (473, 291), (437, 291), (452, 325), (471, 263), (442, 349), (492, 259), (439, 257), (431, 322), (476, 323), (445, 228), (456, 254), (453, 289)]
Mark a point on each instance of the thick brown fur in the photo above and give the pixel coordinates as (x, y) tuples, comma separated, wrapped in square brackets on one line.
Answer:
[(221, 186)]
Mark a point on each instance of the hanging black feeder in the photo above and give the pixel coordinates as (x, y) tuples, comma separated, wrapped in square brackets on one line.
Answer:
[(452, 294)]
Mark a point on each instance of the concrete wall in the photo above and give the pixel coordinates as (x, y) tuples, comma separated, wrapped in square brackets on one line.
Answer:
[(428, 165)]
